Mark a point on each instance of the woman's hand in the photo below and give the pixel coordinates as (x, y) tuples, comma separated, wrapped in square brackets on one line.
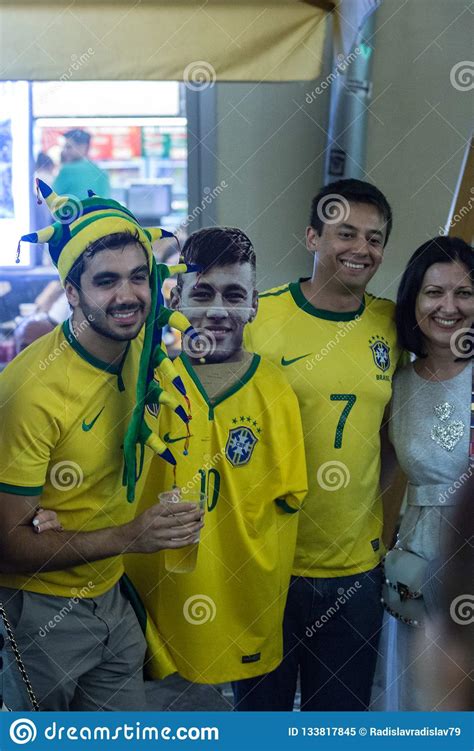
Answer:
[(45, 519)]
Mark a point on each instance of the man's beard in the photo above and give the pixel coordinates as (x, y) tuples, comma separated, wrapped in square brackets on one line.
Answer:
[(97, 319)]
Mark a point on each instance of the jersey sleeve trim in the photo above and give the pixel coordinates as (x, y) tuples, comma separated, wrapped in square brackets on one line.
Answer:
[(20, 490), (281, 503)]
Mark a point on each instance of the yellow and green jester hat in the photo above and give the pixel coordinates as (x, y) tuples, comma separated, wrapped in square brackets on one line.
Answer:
[(78, 223)]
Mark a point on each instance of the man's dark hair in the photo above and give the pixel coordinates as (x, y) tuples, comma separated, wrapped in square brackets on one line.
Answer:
[(354, 191), (43, 161), (115, 241), (78, 136), (217, 246), (437, 250)]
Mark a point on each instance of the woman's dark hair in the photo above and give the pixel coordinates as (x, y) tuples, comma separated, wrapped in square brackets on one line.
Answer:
[(115, 241), (438, 250)]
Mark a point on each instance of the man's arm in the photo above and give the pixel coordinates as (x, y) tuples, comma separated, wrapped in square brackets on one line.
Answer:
[(24, 551), (393, 484)]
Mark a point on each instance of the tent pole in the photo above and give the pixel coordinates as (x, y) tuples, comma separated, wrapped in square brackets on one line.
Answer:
[(351, 93)]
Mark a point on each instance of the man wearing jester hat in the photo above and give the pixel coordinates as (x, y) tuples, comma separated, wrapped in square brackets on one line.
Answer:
[(75, 440)]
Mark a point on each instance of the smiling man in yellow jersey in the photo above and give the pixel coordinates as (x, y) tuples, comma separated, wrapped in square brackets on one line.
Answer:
[(66, 402), (223, 621), (337, 346)]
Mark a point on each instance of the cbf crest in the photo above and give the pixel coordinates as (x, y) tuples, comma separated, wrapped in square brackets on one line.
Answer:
[(380, 352), (241, 441)]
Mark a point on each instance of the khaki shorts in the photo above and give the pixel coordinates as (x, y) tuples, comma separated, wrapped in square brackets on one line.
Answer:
[(80, 654)]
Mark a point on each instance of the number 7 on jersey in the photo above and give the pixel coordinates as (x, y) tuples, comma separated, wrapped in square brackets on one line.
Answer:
[(351, 400)]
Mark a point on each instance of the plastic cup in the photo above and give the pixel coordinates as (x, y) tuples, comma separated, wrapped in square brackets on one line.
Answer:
[(182, 560)]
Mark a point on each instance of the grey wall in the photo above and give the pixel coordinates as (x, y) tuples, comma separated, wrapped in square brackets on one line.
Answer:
[(271, 154), (271, 139), (419, 123)]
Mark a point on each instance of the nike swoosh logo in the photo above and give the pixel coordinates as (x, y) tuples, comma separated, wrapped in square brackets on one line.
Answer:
[(89, 425), (295, 359), (167, 438)]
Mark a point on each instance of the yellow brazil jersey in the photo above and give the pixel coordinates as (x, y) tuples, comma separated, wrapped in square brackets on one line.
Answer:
[(223, 621), (340, 366), (64, 416)]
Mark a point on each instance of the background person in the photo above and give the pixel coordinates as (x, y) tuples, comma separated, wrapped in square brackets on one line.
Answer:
[(78, 173), (30, 329)]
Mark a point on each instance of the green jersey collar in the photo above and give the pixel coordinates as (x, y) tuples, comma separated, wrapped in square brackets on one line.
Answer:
[(91, 359), (232, 390), (328, 315)]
